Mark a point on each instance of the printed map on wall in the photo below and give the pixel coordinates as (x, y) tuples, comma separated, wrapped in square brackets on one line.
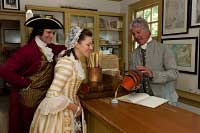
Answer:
[(182, 53), (185, 52)]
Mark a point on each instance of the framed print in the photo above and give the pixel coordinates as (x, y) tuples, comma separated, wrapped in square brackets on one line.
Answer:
[(11, 4), (195, 13), (185, 51), (199, 65), (175, 16)]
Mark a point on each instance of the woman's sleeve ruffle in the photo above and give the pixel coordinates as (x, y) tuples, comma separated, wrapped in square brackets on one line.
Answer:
[(53, 105)]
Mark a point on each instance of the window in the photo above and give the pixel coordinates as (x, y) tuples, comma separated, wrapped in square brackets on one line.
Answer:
[(151, 11), (150, 14)]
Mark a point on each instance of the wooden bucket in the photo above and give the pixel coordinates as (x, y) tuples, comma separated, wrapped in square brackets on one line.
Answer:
[(131, 80)]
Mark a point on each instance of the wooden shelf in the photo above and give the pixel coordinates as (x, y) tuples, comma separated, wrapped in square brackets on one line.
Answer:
[(115, 30), (189, 98), (109, 45), (10, 17), (11, 45)]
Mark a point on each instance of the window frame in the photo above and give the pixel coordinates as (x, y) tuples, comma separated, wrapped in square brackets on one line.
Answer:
[(141, 5)]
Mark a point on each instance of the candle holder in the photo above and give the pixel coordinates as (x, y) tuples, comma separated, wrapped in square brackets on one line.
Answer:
[(95, 74)]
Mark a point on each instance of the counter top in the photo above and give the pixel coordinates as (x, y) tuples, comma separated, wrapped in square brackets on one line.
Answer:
[(128, 118)]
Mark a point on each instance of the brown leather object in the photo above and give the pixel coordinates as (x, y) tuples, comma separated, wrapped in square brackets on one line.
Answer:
[(131, 80), (98, 89)]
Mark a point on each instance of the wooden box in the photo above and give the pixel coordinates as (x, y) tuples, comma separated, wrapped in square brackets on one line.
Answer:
[(106, 88)]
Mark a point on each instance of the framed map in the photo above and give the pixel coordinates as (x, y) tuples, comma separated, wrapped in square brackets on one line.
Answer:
[(185, 51), (175, 16), (199, 66), (195, 13)]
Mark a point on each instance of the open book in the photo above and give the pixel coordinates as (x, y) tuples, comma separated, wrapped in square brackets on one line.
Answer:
[(143, 99)]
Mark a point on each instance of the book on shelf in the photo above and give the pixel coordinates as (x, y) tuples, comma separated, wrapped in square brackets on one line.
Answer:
[(103, 23), (143, 99)]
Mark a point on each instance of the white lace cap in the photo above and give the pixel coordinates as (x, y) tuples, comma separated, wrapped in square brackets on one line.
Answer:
[(72, 37)]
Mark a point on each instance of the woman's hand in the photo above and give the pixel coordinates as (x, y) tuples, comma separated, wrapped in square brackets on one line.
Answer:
[(78, 111), (75, 108)]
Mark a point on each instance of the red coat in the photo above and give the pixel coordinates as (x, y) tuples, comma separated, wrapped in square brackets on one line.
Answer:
[(23, 63)]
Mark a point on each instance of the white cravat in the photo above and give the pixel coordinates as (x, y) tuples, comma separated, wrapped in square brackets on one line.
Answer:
[(46, 50), (144, 46)]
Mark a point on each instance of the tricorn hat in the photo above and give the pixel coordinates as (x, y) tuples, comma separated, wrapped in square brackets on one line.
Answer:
[(47, 22)]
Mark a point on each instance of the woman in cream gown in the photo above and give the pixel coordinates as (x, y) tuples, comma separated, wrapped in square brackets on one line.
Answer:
[(59, 110)]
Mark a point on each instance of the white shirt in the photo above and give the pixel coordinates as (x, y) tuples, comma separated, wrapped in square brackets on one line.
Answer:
[(144, 46)]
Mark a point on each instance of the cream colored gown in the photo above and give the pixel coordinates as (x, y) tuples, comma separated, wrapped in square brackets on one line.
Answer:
[(51, 115)]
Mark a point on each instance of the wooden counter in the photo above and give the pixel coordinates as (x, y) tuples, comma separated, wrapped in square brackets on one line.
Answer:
[(104, 117)]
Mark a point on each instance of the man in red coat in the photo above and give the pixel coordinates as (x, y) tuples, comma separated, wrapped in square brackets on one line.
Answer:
[(29, 71)]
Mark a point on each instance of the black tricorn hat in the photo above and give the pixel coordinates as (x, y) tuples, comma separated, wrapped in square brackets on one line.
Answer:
[(47, 22)]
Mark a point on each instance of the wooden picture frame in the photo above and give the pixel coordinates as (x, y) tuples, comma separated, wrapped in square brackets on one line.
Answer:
[(11, 4), (199, 65), (186, 53), (195, 13), (175, 17)]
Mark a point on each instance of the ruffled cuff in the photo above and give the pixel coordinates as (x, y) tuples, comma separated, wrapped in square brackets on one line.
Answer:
[(53, 104)]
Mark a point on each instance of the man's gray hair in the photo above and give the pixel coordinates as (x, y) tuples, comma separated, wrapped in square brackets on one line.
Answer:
[(139, 22)]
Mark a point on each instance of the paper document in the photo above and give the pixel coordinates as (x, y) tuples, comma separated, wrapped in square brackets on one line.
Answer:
[(143, 99)]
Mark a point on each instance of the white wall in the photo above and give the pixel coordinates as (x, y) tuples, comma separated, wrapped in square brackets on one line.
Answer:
[(101, 5)]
